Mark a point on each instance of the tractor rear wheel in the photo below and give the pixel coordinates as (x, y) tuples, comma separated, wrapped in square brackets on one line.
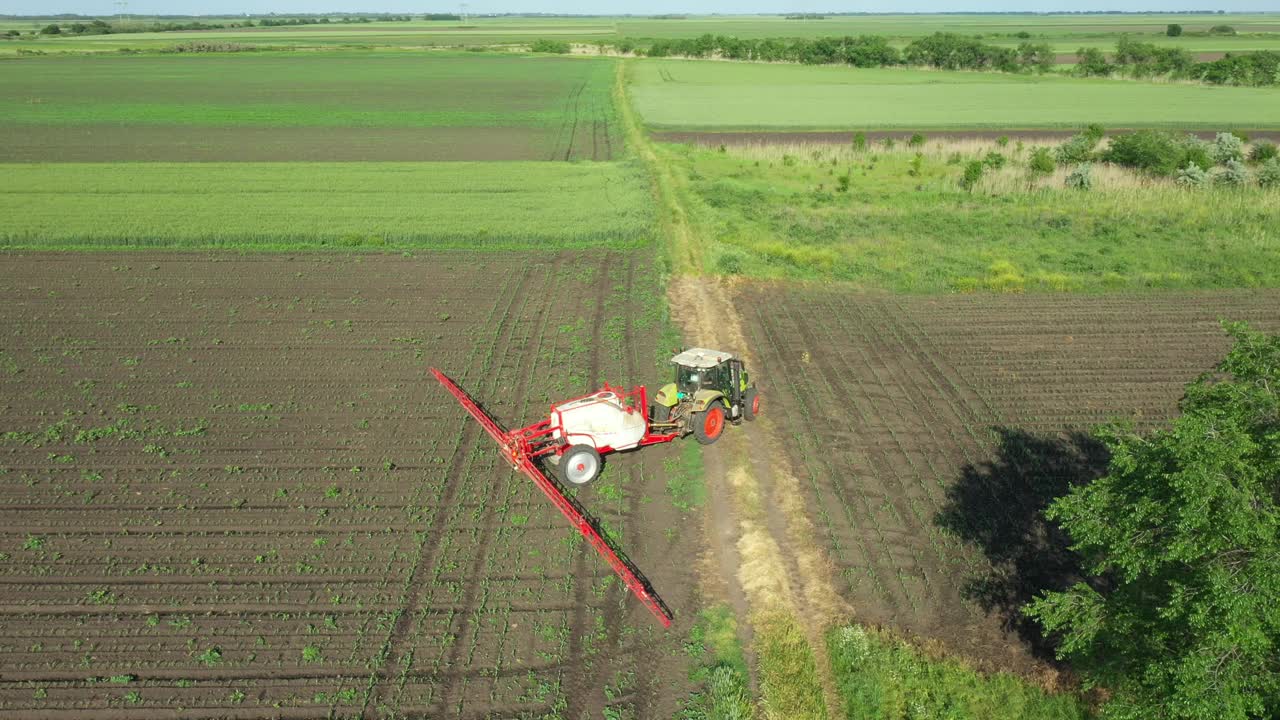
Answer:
[(708, 425), (579, 465), (751, 404)]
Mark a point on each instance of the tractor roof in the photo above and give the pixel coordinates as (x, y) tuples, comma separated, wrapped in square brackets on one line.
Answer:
[(701, 358)]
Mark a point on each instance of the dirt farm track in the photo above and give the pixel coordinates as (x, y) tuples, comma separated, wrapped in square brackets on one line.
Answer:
[(229, 487)]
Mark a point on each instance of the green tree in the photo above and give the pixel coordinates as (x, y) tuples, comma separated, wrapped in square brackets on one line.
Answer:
[(1183, 535), (51, 30), (1174, 30)]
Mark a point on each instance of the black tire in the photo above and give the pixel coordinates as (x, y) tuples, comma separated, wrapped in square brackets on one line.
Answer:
[(708, 425), (750, 404), (659, 413), (579, 465)]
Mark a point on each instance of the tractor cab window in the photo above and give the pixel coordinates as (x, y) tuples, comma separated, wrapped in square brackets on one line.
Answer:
[(690, 379)]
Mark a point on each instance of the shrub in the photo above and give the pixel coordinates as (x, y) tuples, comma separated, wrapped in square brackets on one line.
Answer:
[(1192, 176), (50, 30), (859, 141), (972, 174), (1003, 141), (917, 140), (1092, 63), (1227, 147), (1269, 174), (1094, 132), (558, 47), (1174, 30), (1081, 178), (1041, 162), (1078, 149), (888, 143), (1222, 30), (1232, 174), (994, 160), (1262, 152), (1156, 152)]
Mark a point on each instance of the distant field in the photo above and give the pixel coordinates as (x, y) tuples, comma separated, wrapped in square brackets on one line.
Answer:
[(353, 106), (310, 205), (1064, 32), (683, 94)]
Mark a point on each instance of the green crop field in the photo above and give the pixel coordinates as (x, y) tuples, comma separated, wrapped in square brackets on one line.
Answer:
[(312, 205), (705, 95), (367, 106)]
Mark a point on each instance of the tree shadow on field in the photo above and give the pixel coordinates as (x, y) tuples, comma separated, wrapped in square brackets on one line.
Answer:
[(998, 506)]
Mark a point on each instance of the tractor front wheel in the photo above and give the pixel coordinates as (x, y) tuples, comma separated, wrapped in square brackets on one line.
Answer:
[(708, 425), (579, 465), (751, 404)]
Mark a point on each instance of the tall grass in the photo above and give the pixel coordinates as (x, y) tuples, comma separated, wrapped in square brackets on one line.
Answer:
[(315, 205), (788, 671), (883, 677), (883, 218)]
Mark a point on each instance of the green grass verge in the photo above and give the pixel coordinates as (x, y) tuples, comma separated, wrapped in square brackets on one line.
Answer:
[(789, 683), (532, 205), (705, 95), (785, 218), (720, 665), (883, 677)]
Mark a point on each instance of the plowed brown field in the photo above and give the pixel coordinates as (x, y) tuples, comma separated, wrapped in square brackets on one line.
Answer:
[(930, 433), (229, 489)]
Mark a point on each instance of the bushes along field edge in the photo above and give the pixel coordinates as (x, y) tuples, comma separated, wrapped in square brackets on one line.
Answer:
[(951, 51)]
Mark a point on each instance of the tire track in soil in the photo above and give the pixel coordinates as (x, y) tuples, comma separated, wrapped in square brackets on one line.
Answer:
[(455, 693), (573, 129), (570, 111), (427, 556), (581, 567), (643, 697)]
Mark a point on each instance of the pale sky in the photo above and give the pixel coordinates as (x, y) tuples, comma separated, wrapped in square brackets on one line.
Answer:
[(645, 7)]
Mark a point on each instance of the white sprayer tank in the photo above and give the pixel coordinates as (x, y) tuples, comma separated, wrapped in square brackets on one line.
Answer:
[(599, 420)]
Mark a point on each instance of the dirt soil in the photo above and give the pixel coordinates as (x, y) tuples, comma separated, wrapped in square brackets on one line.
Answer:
[(929, 433), (230, 489), (715, 139)]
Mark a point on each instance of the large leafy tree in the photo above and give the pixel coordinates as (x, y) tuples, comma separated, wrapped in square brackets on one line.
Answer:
[(1182, 536)]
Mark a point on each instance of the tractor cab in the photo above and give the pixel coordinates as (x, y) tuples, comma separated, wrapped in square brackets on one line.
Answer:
[(710, 388)]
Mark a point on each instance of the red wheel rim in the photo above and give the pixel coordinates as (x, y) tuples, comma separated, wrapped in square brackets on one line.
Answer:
[(755, 405), (714, 422)]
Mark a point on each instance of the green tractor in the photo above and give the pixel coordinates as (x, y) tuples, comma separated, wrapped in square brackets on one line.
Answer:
[(711, 389)]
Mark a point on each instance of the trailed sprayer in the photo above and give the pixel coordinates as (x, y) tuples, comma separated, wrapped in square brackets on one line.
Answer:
[(711, 390)]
